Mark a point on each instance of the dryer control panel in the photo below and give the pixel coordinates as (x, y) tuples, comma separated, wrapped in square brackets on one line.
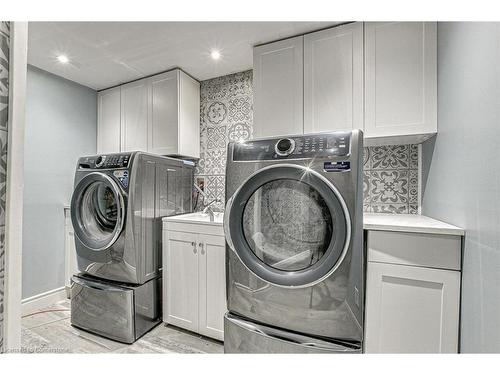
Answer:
[(107, 161), (300, 147)]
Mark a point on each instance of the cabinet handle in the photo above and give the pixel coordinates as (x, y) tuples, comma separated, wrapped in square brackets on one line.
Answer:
[(201, 247), (194, 246)]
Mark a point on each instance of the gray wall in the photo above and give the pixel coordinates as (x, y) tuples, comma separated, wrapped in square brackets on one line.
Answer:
[(61, 125), (462, 175)]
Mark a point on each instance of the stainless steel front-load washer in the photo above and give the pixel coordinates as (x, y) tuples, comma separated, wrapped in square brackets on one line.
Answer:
[(294, 258), (116, 210)]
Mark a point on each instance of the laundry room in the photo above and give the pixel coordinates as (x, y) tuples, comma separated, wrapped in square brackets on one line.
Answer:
[(249, 187)]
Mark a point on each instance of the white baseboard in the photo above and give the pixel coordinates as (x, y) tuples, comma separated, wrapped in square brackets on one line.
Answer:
[(42, 300)]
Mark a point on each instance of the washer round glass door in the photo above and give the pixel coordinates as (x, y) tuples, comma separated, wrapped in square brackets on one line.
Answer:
[(288, 225), (97, 211)]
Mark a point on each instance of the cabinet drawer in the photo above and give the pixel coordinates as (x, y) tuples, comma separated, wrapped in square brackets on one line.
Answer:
[(415, 249)]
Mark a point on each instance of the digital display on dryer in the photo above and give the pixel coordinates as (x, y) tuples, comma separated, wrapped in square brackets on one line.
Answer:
[(306, 147), (339, 166)]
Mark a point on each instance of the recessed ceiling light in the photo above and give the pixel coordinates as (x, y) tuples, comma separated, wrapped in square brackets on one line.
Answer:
[(215, 55), (63, 59)]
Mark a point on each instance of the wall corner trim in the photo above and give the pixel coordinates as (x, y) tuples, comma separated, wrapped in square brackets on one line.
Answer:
[(15, 185)]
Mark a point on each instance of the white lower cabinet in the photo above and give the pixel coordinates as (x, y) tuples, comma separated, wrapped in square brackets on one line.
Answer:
[(194, 282), (412, 293), (212, 285), (181, 280)]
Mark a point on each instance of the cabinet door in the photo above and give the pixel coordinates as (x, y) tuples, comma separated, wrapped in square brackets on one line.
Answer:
[(134, 116), (180, 265), (189, 116), (108, 121), (333, 79), (212, 287), (411, 309), (163, 130), (278, 88), (400, 78)]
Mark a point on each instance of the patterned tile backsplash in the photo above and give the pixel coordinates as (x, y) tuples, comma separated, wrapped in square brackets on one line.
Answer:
[(390, 182), (226, 115), (4, 110), (390, 179)]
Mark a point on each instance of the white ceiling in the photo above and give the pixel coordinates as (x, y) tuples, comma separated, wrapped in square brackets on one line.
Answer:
[(104, 54)]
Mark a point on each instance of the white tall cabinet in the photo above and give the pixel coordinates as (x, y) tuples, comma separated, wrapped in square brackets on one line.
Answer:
[(400, 78), (158, 114), (333, 79), (278, 87), (378, 77)]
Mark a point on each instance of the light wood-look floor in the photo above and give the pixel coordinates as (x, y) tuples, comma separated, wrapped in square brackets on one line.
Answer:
[(51, 332)]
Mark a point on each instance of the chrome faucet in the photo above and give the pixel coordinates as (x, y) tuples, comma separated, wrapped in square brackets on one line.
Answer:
[(208, 209)]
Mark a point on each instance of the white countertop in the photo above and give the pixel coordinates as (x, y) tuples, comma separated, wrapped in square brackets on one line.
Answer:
[(409, 223), (371, 221), (196, 218)]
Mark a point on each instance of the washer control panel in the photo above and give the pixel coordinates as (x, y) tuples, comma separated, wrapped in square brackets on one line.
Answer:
[(301, 147), (105, 161)]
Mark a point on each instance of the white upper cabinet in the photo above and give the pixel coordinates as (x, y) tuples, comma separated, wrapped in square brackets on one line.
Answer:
[(164, 103), (108, 121), (188, 116), (175, 114), (333, 79), (159, 114), (134, 116), (400, 78), (380, 77), (278, 88)]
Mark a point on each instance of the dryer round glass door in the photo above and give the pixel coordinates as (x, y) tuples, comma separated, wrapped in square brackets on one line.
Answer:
[(97, 211), (288, 225)]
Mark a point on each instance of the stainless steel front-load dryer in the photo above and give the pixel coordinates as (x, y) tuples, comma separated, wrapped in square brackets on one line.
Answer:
[(294, 259), (116, 210)]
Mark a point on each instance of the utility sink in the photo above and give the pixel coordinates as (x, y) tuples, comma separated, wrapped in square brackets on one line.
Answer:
[(198, 218)]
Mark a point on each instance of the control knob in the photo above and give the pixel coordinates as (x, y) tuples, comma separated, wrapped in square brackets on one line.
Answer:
[(99, 162), (284, 146)]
